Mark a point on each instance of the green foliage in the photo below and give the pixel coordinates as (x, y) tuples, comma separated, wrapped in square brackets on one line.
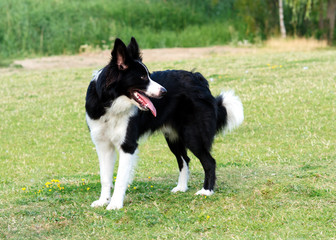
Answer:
[(34, 27), (61, 26), (259, 16), (275, 174), (302, 17)]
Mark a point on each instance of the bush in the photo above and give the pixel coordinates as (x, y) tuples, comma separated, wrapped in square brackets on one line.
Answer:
[(61, 26)]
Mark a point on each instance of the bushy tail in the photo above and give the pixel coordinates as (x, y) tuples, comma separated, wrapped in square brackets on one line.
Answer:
[(230, 111)]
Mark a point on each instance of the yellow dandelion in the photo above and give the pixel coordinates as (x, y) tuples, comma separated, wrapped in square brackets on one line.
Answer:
[(83, 179), (134, 188), (208, 217), (88, 189), (152, 186), (23, 189), (49, 190), (149, 177), (128, 185)]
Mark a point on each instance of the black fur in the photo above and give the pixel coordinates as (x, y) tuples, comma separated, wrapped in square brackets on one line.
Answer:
[(188, 107)]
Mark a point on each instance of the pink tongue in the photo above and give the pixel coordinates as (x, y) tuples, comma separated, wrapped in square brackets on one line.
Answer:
[(148, 104)]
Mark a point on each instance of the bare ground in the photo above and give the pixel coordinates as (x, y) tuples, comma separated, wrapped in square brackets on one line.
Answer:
[(100, 58), (96, 59)]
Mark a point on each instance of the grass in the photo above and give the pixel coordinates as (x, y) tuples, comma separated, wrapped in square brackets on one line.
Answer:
[(276, 173), (30, 27)]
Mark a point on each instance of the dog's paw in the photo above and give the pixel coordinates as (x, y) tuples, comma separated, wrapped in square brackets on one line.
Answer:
[(114, 205), (205, 192), (179, 189), (100, 202)]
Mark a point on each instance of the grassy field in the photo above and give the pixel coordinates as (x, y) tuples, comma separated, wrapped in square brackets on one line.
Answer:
[(32, 27), (276, 173)]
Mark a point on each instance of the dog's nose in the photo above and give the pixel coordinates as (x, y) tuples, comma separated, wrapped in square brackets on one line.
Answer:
[(163, 91)]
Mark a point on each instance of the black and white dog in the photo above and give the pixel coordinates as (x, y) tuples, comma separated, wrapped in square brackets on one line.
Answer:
[(180, 105)]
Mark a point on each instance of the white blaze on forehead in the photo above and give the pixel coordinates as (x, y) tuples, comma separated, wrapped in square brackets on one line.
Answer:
[(153, 88), (144, 68)]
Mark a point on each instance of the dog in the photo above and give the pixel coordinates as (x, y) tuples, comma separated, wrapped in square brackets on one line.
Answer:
[(124, 101)]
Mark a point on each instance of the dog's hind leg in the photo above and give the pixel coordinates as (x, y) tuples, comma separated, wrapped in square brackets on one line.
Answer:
[(179, 150), (209, 166), (202, 151), (107, 157)]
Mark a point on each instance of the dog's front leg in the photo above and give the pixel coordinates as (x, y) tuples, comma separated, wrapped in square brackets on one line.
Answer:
[(126, 162), (107, 156)]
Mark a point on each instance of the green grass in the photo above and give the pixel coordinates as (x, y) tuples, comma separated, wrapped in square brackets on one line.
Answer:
[(31, 27), (276, 173)]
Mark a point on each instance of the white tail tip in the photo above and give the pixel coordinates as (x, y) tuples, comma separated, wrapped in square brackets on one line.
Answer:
[(234, 109)]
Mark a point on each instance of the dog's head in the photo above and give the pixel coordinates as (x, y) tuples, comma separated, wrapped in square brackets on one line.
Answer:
[(131, 77)]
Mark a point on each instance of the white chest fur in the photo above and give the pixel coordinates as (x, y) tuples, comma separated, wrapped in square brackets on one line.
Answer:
[(112, 126)]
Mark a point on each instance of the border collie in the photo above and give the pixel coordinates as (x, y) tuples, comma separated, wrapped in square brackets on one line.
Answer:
[(125, 101)]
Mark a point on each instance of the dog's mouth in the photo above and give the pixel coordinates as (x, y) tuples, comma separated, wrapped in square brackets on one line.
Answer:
[(143, 101)]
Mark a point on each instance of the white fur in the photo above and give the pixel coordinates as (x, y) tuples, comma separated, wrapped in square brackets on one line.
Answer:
[(234, 109), (182, 184), (205, 192), (153, 89), (108, 133), (107, 157), (96, 74), (113, 124), (169, 133), (126, 162)]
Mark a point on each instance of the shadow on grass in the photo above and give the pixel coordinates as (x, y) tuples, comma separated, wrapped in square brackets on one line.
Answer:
[(86, 189)]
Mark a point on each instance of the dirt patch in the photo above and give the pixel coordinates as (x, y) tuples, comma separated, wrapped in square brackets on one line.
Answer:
[(99, 59)]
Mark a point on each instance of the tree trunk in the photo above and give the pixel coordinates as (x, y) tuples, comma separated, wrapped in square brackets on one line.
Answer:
[(281, 18), (321, 15), (331, 14)]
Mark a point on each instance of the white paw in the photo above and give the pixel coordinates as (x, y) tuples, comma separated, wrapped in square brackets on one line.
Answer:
[(114, 205), (179, 189), (205, 192), (100, 202)]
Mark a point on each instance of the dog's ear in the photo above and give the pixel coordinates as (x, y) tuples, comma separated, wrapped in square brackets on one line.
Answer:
[(133, 49), (120, 55)]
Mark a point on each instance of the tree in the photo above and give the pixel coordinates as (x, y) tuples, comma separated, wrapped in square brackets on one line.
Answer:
[(331, 14), (281, 19)]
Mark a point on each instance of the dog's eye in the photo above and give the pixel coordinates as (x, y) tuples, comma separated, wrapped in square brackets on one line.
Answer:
[(144, 77)]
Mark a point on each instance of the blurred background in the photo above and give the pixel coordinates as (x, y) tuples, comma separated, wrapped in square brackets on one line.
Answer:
[(53, 27)]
